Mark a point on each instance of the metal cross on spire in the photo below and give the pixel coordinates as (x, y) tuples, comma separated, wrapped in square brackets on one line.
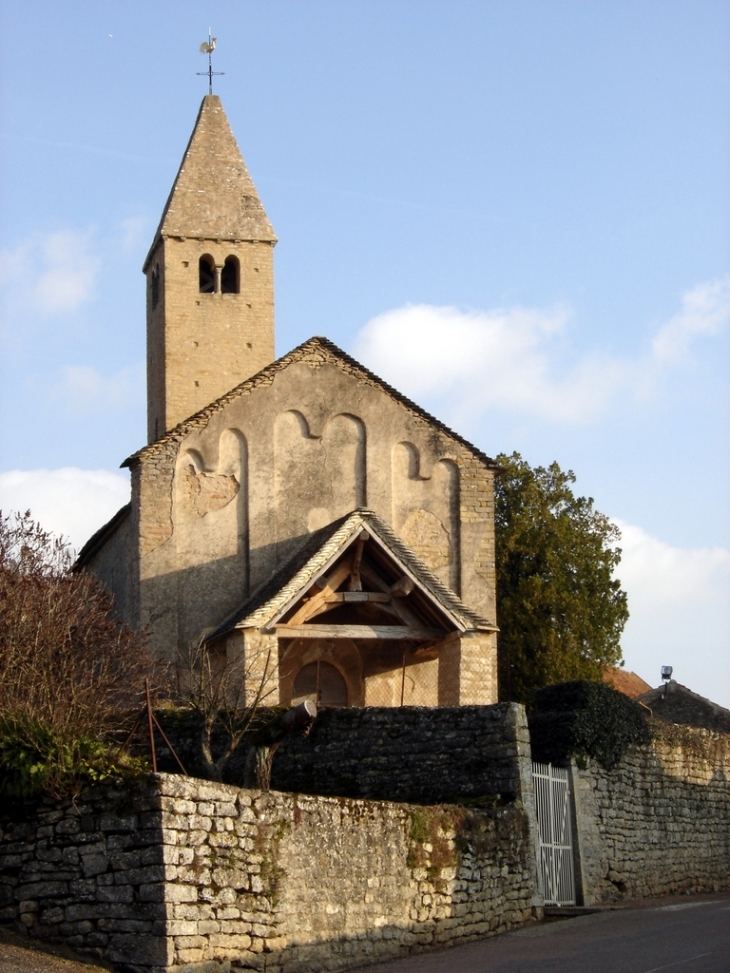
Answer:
[(208, 48)]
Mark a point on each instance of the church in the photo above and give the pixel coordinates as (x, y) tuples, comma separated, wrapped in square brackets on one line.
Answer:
[(297, 513)]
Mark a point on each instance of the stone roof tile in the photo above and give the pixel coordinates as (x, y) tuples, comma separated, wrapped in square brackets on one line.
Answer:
[(213, 196), (321, 548)]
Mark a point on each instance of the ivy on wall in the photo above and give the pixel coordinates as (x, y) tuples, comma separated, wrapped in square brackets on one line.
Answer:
[(584, 719)]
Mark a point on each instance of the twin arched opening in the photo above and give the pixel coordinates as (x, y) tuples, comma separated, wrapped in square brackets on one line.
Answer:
[(213, 279)]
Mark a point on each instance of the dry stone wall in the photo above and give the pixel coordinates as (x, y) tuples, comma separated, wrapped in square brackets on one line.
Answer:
[(419, 754), (659, 822), (184, 872), (423, 755), (90, 873)]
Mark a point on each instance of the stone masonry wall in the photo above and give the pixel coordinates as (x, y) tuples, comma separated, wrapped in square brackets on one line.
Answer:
[(660, 821), (418, 754), (189, 872), (90, 873), (423, 755)]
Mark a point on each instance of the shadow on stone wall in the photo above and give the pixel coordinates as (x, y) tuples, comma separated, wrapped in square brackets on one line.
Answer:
[(88, 873), (415, 754)]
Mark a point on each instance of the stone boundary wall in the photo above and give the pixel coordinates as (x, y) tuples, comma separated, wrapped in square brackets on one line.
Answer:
[(183, 871), (657, 823), (418, 754), (415, 754), (90, 873)]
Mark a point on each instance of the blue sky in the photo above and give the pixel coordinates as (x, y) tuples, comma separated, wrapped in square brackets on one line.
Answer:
[(515, 212)]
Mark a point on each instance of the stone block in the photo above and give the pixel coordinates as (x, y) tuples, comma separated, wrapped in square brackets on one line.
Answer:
[(94, 865), (42, 890), (114, 893), (114, 823), (68, 826)]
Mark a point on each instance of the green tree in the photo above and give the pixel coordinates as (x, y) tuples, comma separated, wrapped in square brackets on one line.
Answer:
[(559, 608)]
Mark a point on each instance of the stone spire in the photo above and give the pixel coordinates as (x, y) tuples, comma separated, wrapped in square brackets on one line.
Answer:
[(213, 196), (210, 279)]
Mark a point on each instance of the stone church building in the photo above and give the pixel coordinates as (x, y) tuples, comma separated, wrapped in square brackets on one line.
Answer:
[(299, 510)]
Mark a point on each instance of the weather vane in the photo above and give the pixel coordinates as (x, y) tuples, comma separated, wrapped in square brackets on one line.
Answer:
[(208, 48)]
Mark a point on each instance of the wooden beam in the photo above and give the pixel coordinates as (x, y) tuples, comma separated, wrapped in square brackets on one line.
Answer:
[(435, 646), (355, 582), (313, 605), (403, 587), (397, 606), (345, 597), (358, 632)]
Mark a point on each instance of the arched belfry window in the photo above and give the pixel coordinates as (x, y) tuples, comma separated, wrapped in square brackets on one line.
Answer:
[(206, 273), (155, 286), (231, 276)]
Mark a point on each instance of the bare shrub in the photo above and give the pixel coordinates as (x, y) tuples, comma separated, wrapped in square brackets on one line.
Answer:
[(68, 670), (226, 690)]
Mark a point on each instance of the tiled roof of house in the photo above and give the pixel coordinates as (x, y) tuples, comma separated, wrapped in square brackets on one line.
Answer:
[(674, 703), (317, 351), (321, 549), (625, 682)]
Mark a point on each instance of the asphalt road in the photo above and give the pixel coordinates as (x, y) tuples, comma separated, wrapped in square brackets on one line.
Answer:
[(677, 936)]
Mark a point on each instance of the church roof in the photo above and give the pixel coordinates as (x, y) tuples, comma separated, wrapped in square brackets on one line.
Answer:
[(322, 548), (213, 196), (97, 540), (318, 351)]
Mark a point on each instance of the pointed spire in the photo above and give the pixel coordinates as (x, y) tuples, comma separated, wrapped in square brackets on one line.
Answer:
[(213, 197)]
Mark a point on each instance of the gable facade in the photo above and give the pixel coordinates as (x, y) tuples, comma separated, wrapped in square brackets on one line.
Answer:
[(224, 500)]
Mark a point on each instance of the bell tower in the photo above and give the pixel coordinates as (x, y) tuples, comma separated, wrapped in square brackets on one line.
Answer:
[(210, 279)]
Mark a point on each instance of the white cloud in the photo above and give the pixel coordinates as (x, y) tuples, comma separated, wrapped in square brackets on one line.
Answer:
[(84, 388), (68, 501), (513, 358), (705, 311), (62, 268), (679, 599)]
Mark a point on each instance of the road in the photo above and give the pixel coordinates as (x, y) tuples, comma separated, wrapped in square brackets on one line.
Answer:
[(679, 936), (676, 935)]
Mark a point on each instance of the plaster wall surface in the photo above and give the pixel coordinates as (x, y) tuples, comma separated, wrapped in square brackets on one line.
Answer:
[(115, 563), (225, 506)]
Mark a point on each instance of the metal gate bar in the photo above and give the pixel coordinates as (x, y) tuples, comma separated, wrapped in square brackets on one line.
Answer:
[(555, 844)]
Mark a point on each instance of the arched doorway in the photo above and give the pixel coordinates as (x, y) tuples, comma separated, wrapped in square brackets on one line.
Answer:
[(321, 682)]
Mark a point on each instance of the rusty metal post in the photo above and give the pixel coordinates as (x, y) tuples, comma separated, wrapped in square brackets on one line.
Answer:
[(151, 726)]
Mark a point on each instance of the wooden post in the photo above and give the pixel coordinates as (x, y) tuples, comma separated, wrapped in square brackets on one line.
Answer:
[(403, 678), (151, 726)]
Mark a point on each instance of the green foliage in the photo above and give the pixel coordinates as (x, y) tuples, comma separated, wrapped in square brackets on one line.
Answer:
[(34, 759), (584, 719), (560, 610)]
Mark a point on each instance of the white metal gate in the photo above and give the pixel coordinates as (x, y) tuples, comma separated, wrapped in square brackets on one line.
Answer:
[(555, 844)]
